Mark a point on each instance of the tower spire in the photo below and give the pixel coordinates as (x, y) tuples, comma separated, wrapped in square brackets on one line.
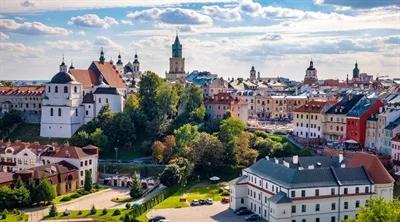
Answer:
[(63, 67), (101, 58)]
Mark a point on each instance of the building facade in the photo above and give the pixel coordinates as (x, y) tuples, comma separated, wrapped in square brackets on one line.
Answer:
[(309, 119), (311, 75), (223, 103)]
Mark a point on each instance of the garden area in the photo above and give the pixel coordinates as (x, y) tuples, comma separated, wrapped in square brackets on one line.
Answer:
[(198, 191), (74, 195), (30, 133), (13, 216)]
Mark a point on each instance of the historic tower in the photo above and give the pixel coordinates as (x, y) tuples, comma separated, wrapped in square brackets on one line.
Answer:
[(253, 73), (311, 75), (176, 62), (356, 72)]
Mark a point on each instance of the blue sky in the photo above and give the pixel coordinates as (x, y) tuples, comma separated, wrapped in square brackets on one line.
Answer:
[(226, 37)]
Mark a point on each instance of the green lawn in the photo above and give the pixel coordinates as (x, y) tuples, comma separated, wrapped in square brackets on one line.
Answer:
[(59, 198), (99, 216), (15, 218), (199, 191), (30, 133)]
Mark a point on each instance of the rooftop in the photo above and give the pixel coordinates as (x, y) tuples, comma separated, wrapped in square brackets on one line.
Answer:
[(362, 106), (345, 104), (312, 107)]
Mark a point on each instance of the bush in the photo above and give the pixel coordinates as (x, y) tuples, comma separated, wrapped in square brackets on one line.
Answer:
[(117, 212), (66, 212), (225, 193), (4, 216), (104, 211), (93, 210), (66, 198), (128, 205), (75, 195), (83, 192), (80, 212), (16, 212), (96, 186), (53, 211)]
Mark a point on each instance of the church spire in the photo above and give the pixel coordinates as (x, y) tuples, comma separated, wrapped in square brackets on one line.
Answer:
[(63, 67), (119, 62), (177, 48), (102, 58)]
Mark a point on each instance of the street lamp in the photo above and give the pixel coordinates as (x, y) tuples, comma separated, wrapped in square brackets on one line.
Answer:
[(116, 154)]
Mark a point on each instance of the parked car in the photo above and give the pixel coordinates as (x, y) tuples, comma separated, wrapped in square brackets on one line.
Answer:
[(239, 209), (225, 200), (244, 212), (163, 220), (209, 201), (194, 203), (253, 217), (157, 218), (202, 202)]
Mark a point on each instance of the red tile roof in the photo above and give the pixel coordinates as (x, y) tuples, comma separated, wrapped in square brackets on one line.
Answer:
[(6, 177), (87, 77), (223, 98), (21, 90), (110, 74), (312, 107), (66, 151), (373, 165), (396, 138)]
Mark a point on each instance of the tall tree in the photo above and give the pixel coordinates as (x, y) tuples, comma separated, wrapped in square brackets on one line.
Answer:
[(186, 134), (45, 191), (148, 88), (244, 155), (158, 151), (98, 138), (135, 189), (171, 176), (166, 100), (208, 151), (132, 102), (88, 181), (230, 128)]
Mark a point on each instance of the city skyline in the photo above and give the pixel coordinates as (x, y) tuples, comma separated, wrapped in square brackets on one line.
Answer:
[(224, 37)]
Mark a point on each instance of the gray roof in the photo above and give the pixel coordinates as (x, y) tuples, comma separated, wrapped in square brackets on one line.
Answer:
[(327, 173), (241, 179), (361, 107), (106, 90), (393, 124), (62, 78), (280, 197)]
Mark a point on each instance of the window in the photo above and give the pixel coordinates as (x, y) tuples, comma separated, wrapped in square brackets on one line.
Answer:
[(76, 112), (346, 217), (49, 89), (75, 89), (333, 206), (81, 163), (303, 193), (90, 162), (316, 192), (317, 207), (100, 101), (345, 191), (293, 193), (346, 205), (366, 189), (357, 189), (242, 200), (303, 220), (303, 208), (357, 204), (293, 209), (317, 219), (332, 191), (333, 219), (65, 89), (59, 111), (51, 112)]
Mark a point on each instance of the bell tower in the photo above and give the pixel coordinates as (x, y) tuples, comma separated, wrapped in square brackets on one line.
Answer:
[(176, 62)]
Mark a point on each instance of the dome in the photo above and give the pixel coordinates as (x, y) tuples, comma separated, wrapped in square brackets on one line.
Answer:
[(62, 78)]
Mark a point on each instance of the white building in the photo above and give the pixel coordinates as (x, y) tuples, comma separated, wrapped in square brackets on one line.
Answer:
[(75, 97), (309, 119), (307, 189)]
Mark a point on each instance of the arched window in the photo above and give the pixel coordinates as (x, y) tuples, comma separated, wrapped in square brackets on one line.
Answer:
[(51, 112), (65, 89), (75, 89), (59, 111), (56, 89)]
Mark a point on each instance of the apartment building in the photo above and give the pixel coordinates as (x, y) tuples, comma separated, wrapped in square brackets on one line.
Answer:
[(223, 103), (308, 189), (396, 153)]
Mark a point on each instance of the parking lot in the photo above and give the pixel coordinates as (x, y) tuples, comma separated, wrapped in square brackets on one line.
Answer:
[(216, 212)]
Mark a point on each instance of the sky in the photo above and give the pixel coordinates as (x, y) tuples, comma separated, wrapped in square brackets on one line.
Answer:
[(225, 37)]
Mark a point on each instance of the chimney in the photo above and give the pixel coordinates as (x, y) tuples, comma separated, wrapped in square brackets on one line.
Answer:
[(340, 157), (295, 159)]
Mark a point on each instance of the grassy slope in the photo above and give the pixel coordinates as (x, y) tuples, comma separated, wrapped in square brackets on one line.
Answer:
[(30, 133), (15, 218), (99, 216)]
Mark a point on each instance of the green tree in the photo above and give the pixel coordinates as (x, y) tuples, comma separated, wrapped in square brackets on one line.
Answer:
[(192, 98), (19, 182), (148, 88), (105, 115), (88, 181), (170, 144), (45, 191), (132, 102), (135, 189), (208, 151), (166, 100), (120, 130), (186, 134), (80, 139), (158, 151), (98, 138), (93, 210), (186, 168), (378, 210), (53, 211), (244, 155), (230, 128), (171, 176)]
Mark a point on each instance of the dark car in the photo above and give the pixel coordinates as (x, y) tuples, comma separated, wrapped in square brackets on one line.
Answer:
[(157, 218), (202, 202), (244, 212), (239, 209), (253, 217), (194, 203)]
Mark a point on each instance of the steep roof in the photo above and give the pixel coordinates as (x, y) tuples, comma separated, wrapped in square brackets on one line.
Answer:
[(62, 78), (396, 138), (87, 77), (362, 106), (373, 165), (88, 98), (21, 90), (110, 74), (311, 107), (53, 169), (345, 104), (393, 124)]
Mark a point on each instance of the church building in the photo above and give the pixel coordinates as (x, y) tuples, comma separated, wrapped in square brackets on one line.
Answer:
[(73, 97), (176, 63)]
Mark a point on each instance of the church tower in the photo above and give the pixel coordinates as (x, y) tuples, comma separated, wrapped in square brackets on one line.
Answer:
[(136, 66), (252, 73), (356, 72), (176, 62), (311, 75), (120, 64)]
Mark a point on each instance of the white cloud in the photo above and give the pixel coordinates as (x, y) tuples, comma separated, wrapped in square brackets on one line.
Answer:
[(19, 50), (79, 46), (225, 14), (177, 16), (30, 28), (271, 37), (358, 4), (102, 41), (92, 21), (28, 4), (3, 36)]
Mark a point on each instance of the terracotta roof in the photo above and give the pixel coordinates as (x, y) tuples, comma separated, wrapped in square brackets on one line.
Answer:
[(18, 146), (53, 169), (224, 98), (87, 77), (21, 90), (66, 151), (6, 177), (373, 165), (311, 107), (110, 74)]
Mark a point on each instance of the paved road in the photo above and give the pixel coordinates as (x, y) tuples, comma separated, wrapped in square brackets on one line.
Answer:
[(216, 212), (100, 200)]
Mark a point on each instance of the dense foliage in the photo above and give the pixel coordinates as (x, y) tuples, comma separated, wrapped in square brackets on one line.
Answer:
[(8, 120), (378, 210)]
